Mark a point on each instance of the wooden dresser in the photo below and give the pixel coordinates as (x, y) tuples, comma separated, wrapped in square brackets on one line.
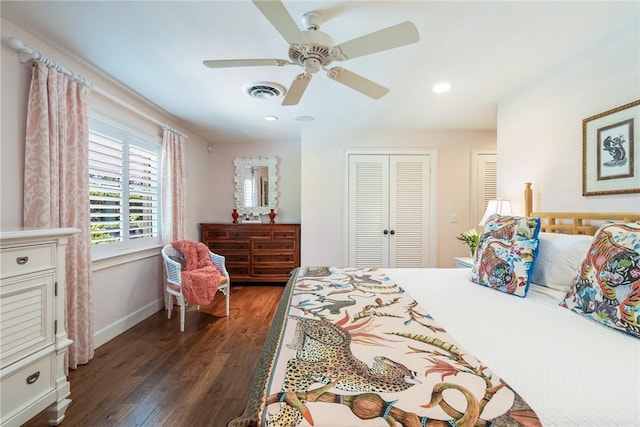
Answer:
[(32, 330), (255, 252)]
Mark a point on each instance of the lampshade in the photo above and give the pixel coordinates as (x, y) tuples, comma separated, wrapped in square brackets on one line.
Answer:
[(497, 206)]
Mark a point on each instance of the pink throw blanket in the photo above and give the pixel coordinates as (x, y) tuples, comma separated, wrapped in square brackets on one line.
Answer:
[(200, 277)]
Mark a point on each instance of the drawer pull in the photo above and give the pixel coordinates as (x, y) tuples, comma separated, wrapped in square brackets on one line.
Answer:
[(33, 378), (22, 260)]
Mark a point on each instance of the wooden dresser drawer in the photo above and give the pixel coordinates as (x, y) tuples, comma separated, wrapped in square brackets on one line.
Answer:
[(237, 271), (255, 252), (274, 245), (222, 246), (26, 259), (237, 257), (286, 233), (270, 258), (30, 382)]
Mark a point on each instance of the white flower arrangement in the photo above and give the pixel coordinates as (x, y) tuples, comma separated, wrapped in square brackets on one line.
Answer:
[(470, 238)]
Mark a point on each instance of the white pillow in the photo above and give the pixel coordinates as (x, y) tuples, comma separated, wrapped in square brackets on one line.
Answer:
[(559, 258)]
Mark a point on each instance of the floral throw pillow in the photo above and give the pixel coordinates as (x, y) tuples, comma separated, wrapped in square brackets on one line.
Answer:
[(607, 286), (505, 265), (512, 227)]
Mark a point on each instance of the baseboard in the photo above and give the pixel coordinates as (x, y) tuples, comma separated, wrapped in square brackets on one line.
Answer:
[(116, 328)]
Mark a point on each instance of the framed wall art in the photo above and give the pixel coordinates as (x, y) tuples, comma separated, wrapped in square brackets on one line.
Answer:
[(610, 151)]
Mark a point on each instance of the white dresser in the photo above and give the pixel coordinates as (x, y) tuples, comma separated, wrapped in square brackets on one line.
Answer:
[(33, 340)]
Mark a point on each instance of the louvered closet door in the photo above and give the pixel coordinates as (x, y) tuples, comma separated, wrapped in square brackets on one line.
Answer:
[(408, 211), (388, 210), (484, 182), (368, 210)]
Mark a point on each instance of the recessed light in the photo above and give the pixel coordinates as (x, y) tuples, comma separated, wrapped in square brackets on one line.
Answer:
[(304, 119), (270, 118), (442, 87)]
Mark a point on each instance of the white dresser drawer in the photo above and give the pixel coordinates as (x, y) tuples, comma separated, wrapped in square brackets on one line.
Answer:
[(33, 340), (26, 316), (27, 259), (33, 383)]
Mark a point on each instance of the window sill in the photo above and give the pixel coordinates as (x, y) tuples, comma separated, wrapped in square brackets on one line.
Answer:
[(102, 261)]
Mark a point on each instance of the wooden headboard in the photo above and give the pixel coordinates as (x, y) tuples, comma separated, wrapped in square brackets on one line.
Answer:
[(574, 222)]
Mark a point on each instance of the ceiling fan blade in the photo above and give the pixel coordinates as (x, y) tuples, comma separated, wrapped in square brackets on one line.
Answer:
[(378, 41), (280, 18), (357, 82), (227, 63), (296, 89)]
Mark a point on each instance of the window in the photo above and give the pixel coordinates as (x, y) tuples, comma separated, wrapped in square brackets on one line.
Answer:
[(124, 187)]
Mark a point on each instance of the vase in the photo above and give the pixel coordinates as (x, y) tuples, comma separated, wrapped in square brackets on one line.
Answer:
[(234, 215), (472, 252), (272, 215)]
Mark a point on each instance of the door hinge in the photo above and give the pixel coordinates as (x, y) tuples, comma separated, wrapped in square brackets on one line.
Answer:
[(55, 289), (55, 327)]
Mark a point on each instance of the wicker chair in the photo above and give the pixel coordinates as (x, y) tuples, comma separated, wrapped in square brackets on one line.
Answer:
[(173, 262)]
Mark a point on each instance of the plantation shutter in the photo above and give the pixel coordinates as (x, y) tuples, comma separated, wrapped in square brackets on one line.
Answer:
[(106, 172), (143, 192)]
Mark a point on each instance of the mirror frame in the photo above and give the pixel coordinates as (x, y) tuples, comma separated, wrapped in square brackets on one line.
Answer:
[(240, 164)]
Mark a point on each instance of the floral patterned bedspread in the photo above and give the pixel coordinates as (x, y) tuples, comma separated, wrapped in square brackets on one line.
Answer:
[(348, 347)]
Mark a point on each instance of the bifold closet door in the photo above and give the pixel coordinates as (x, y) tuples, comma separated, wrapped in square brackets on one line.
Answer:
[(388, 210)]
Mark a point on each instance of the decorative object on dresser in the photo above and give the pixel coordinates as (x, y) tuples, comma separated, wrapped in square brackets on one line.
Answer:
[(32, 327), (256, 186), (255, 252), (234, 215)]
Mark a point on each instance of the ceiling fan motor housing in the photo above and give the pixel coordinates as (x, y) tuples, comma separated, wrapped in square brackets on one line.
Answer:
[(318, 50)]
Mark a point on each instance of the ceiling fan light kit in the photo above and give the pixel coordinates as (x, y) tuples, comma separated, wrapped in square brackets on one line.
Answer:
[(314, 50)]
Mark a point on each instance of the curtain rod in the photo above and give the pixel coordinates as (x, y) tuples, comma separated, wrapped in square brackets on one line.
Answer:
[(29, 55)]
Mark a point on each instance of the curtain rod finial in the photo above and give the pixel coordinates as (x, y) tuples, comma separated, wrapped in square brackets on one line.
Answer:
[(15, 43)]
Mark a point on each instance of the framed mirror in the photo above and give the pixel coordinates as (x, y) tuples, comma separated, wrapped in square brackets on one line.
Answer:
[(256, 182)]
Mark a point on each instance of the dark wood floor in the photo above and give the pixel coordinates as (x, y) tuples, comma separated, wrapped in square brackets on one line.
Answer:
[(152, 375)]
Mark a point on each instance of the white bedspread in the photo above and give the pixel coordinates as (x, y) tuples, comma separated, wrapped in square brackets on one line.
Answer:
[(572, 371)]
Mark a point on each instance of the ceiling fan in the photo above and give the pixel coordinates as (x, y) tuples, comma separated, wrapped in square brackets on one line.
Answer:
[(314, 50)]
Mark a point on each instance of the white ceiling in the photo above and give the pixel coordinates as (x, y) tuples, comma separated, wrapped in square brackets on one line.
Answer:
[(486, 50)]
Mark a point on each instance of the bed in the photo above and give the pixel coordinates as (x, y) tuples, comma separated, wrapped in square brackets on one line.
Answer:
[(429, 347)]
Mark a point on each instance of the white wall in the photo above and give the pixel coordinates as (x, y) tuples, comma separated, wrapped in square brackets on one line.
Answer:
[(540, 125), (126, 293), (323, 182), (222, 185)]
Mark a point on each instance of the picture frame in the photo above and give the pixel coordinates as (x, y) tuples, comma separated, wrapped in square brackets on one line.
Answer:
[(611, 151)]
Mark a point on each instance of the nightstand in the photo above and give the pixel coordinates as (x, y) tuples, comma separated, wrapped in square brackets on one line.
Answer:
[(463, 262)]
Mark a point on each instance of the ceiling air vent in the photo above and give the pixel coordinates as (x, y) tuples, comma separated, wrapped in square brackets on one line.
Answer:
[(265, 90)]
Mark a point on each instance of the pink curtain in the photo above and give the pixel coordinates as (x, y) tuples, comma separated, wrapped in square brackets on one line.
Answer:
[(56, 189), (173, 186)]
